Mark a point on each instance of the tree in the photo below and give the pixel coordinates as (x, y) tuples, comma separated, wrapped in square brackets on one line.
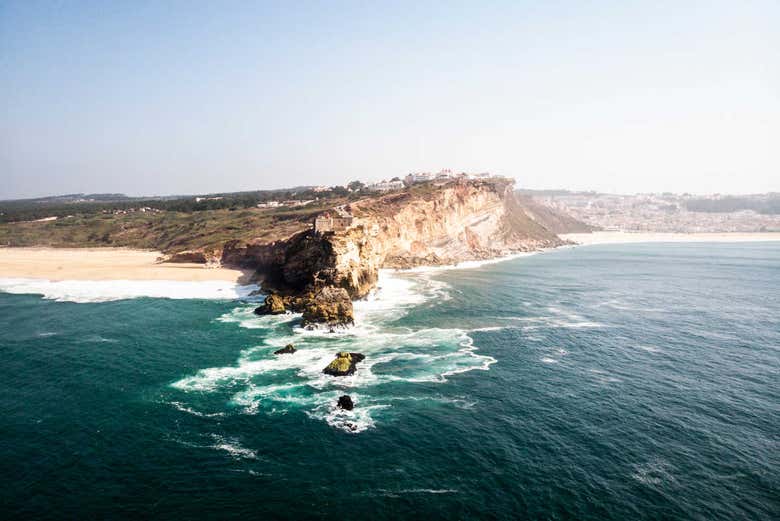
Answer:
[(355, 186)]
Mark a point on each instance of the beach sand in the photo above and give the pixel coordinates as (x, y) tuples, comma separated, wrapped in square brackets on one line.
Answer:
[(105, 264), (630, 237)]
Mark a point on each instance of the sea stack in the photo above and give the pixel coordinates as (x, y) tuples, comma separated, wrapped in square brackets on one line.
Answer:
[(273, 305), (345, 364), (329, 305), (286, 350), (345, 402)]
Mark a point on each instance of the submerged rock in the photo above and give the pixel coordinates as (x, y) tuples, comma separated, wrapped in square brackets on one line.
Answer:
[(345, 402), (345, 364), (273, 305), (286, 350), (329, 305)]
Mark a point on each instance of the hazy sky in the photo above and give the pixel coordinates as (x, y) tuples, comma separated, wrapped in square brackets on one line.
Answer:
[(191, 97)]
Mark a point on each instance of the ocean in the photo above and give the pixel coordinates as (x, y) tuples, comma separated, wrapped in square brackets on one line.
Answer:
[(635, 381)]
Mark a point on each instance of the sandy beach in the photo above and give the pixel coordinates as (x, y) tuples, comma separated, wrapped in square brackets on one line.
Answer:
[(104, 264), (638, 237)]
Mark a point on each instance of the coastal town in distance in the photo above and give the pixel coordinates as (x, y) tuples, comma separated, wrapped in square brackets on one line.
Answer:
[(667, 212)]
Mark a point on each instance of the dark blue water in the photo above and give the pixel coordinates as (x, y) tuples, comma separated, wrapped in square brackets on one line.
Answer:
[(609, 382)]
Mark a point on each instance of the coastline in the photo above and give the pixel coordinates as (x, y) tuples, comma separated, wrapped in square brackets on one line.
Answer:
[(101, 264), (595, 238)]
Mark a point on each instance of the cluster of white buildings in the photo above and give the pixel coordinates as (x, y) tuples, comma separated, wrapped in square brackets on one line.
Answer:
[(443, 176), (279, 204), (659, 213), (144, 209), (386, 186)]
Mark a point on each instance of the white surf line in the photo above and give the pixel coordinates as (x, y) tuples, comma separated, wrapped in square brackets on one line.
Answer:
[(86, 291)]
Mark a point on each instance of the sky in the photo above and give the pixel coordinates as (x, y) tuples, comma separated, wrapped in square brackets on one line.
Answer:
[(153, 98)]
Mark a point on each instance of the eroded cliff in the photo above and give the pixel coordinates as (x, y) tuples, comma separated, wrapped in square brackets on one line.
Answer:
[(423, 225)]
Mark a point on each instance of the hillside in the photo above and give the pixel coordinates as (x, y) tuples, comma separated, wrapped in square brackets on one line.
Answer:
[(169, 231), (557, 221)]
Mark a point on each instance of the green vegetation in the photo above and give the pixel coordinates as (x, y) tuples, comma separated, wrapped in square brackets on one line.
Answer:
[(171, 224), (167, 231), (81, 204)]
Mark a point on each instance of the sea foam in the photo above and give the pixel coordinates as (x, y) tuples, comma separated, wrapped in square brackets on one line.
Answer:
[(262, 383), (84, 291)]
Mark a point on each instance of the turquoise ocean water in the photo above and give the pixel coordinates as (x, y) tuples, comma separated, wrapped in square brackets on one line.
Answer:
[(602, 382)]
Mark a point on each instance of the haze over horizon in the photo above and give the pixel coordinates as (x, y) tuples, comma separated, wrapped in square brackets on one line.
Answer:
[(149, 99)]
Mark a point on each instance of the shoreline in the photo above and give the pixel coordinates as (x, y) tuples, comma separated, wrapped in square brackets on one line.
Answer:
[(597, 238), (102, 264)]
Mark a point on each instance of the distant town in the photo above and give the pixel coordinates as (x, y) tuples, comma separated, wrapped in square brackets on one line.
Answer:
[(667, 212)]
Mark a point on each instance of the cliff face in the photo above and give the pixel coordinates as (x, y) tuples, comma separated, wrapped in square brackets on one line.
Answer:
[(425, 225), (554, 220)]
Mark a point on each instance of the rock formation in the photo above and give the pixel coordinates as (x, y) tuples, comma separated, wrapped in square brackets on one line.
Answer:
[(329, 305), (345, 364), (273, 305), (286, 350), (345, 402), (193, 256)]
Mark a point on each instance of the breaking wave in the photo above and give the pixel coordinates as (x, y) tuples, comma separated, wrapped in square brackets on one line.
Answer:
[(84, 291)]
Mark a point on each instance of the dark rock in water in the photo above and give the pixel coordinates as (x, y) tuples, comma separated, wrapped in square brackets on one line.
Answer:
[(329, 305), (345, 402), (273, 305), (286, 350), (345, 364)]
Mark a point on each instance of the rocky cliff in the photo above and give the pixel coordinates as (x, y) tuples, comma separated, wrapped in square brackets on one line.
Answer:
[(423, 225)]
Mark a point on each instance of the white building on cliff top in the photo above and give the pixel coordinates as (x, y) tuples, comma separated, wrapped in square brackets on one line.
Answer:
[(386, 186)]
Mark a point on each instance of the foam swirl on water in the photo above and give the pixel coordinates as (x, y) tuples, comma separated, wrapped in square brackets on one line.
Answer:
[(262, 383)]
